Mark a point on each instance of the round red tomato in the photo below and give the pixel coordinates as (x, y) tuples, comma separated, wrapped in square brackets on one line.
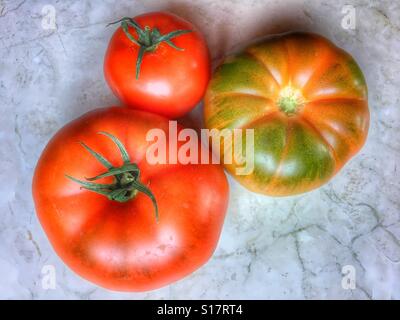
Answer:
[(158, 62), (105, 228)]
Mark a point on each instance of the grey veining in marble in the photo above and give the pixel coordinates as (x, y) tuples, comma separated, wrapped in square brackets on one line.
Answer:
[(292, 247)]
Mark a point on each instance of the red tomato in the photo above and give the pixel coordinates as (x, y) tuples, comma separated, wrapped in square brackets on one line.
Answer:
[(118, 244), (173, 74)]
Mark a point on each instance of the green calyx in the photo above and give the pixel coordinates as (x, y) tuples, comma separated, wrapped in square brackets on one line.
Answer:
[(148, 39), (288, 105), (290, 100), (126, 183)]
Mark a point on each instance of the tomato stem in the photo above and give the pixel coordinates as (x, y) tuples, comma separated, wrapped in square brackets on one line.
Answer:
[(290, 100), (126, 183), (148, 39)]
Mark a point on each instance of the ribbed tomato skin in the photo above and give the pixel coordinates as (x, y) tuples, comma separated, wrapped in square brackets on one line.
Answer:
[(293, 153)]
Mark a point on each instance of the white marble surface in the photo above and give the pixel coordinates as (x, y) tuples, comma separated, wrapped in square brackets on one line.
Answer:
[(290, 248)]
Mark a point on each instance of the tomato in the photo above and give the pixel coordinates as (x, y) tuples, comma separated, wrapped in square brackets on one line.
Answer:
[(168, 77), (306, 101), (115, 240)]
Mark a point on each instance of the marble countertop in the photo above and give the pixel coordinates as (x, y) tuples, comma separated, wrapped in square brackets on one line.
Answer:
[(286, 248)]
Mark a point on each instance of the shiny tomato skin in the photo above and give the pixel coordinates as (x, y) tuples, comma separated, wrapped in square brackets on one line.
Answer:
[(120, 246), (300, 151), (171, 82)]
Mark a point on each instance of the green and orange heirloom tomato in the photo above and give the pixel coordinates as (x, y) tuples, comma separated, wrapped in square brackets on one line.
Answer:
[(306, 100)]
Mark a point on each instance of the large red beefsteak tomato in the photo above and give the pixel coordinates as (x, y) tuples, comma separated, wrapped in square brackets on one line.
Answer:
[(105, 228)]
